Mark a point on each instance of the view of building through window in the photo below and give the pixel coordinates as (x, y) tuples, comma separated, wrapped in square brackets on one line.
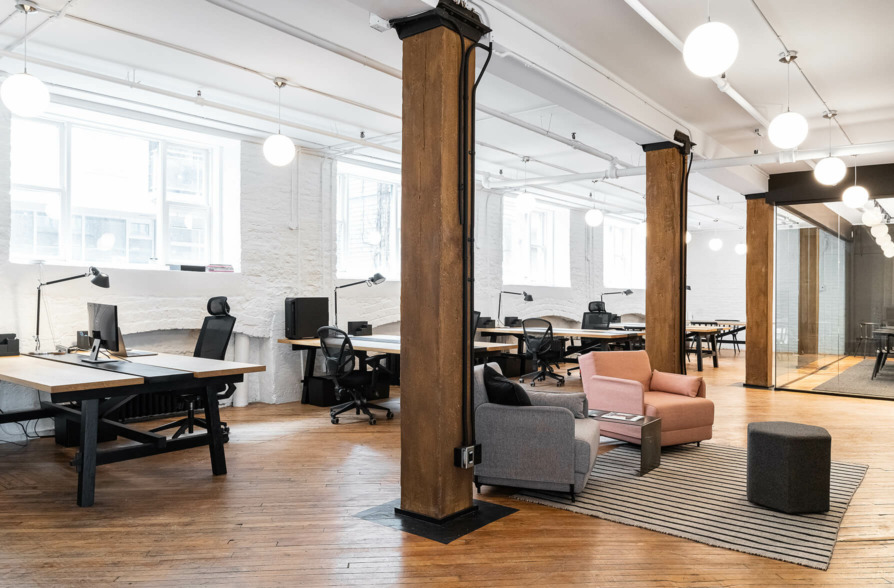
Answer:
[(536, 246)]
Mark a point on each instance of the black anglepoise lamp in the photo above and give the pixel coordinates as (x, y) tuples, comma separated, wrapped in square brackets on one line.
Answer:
[(527, 297), (373, 280), (97, 278), (624, 292)]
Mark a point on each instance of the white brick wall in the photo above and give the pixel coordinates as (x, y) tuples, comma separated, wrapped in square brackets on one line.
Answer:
[(717, 278)]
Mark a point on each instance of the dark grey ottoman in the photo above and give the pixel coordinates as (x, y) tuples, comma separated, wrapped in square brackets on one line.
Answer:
[(789, 466)]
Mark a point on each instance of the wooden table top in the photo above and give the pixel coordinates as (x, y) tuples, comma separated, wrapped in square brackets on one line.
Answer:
[(199, 366), (56, 377), (391, 344), (562, 332), (689, 328)]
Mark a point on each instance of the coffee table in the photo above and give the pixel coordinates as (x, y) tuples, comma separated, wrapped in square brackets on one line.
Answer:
[(650, 438)]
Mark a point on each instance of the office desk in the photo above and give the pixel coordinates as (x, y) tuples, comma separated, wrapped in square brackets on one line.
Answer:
[(697, 333), (385, 344), (624, 336), (884, 349), (101, 391)]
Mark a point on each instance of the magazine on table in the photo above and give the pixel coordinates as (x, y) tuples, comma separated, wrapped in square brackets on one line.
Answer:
[(623, 416)]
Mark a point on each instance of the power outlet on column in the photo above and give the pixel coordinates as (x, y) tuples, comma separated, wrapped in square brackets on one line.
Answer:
[(467, 457)]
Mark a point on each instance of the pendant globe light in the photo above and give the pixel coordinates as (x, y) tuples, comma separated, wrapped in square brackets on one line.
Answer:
[(688, 237), (830, 170), (23, 94), (279, 149), (856, 196), (711, 48), (594, 216), (871, 217), (715, 244), (879, 230), (789, 129)]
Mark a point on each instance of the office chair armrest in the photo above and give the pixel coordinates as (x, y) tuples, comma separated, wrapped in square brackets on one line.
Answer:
[(229, 391)]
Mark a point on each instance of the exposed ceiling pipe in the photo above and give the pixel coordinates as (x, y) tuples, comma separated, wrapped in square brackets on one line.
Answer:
[(573, 143), (722, 83), (723, 162), (221, 61), (201, 101), (283, 27)]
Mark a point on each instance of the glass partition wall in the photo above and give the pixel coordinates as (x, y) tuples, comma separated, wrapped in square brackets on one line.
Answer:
[(834, 297)]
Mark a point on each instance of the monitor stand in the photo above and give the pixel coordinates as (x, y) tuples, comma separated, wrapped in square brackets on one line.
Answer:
[(94, 354)]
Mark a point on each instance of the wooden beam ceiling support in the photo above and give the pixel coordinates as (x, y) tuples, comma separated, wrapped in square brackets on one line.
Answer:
[(666, 256), (760, 234), (433, 272)]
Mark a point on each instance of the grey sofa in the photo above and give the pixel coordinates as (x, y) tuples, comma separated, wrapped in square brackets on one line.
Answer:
[(542, 447)]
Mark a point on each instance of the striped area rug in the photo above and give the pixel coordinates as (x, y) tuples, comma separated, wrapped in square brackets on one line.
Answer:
[(698, 493)]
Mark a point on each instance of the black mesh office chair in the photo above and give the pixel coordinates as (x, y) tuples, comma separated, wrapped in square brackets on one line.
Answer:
[(541, 348), (341, 361), (596, 306), (212, 344), (600, 320)]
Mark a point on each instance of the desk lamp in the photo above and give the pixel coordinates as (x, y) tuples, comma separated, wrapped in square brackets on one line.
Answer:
[(373, 280), (97, 278), (624, 292), (527, 297)]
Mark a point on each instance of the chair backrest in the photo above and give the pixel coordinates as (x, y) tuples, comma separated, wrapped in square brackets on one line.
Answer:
[(476, 315), (627, 365), (596, 306), (538, 334), (216, 330), (338, 352), (596, 320)]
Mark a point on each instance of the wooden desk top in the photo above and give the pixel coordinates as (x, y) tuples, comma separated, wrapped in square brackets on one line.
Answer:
[(199, 366), (561, 332), (689, 328), (391, 344), (55, 377)]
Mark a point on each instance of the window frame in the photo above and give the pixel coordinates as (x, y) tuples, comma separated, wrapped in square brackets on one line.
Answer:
[(632, 255), (556, 263), (214, 251)]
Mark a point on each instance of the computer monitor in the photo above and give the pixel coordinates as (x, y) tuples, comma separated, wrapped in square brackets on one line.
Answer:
[(102, 325)]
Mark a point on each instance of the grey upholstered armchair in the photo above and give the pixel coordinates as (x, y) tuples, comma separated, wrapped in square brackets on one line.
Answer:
[(543, 447)]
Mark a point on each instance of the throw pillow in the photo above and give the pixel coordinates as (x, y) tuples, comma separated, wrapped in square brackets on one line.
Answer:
[(676, 383), (500, 390), (573, 401)]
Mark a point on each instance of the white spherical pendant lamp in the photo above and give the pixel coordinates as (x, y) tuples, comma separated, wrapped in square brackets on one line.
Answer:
[(710, 49), (24, 95), (279, 150), (879, 230), (871, 217), (741, 249), (882, 239), (829, 171), (715, 244), (888, 247), (855, 196), (594, 217), (788, 130), (688, 237), (889, 253)]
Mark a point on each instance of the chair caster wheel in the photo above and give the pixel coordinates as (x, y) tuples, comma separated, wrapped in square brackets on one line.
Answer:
[(560, 383), (390, 415), (334, 420), (521, 380), (533, 384), (372, 421)]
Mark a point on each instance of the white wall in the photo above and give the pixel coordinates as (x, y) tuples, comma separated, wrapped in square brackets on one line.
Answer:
[(717, 278)]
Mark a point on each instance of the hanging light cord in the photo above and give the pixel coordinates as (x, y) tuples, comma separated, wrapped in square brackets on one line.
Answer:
[(25, 40), (279, 109), (788, 90)]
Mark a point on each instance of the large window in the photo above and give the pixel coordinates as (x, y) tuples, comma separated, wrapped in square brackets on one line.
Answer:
[(368, 222), (85, 191), (536, 246), (624, 254)]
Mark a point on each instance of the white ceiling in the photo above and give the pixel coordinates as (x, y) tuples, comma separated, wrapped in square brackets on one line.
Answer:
[(846, 56)]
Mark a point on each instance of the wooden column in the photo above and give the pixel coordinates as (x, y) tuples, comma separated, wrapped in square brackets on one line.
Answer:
[(432, 279), (760, 238), (808, 293), (665, 257)]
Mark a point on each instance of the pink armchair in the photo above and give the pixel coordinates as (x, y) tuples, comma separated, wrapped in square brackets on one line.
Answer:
[(623, 381)]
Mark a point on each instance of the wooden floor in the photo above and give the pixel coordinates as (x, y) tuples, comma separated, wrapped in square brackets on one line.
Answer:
[(284, 513)]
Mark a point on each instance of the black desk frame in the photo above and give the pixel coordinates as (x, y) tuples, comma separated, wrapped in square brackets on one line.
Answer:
[(98, 403)]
